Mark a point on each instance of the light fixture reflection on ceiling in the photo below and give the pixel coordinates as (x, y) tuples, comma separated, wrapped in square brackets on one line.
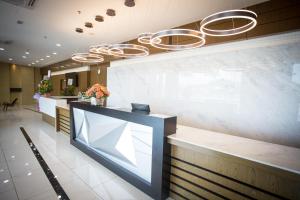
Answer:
[(145, 38), (42, 59), (33, 63), (10, 59), (54, 53), (2, 49), (114, 50), (58, 45), (228, 14), (47, 56), (27, 52), (24, 57), (87, 58), (178, 32)]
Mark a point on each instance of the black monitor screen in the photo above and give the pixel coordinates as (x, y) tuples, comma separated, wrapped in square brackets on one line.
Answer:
[(136, 107)]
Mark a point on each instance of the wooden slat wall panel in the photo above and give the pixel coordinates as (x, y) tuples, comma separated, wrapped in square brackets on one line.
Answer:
[(258, 181), (62, 120)]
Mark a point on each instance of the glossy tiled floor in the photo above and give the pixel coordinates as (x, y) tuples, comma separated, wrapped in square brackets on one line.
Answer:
[(21, 176)]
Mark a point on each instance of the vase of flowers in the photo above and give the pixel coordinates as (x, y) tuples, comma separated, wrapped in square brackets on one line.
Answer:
[(97, 94), (45, 88)]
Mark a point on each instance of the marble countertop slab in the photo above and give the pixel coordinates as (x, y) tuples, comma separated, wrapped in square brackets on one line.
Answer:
[(278, 156)]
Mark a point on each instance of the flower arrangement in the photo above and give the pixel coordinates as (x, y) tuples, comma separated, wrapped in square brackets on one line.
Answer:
[(45, 87), (97, 93)]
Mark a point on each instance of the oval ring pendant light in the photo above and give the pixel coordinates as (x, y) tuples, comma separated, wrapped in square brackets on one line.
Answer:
[(103, 49), (177, 32), (114, 50), (145, 38), (229, 14), (87, 58)]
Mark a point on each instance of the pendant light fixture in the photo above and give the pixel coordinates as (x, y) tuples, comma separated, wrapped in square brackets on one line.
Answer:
[(87, 58), (156, 37), (229, 14), (118, 50), (145, 38)]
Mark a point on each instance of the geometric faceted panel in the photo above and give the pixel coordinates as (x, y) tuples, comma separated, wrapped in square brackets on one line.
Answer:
[(126, 143)]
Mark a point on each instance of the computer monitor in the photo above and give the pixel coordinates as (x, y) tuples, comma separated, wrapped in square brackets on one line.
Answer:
[(140, 108)]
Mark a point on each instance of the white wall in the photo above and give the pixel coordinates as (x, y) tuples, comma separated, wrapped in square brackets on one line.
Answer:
[(248, 88)]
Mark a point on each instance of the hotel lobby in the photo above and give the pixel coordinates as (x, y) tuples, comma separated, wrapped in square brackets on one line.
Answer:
[(150, 99)]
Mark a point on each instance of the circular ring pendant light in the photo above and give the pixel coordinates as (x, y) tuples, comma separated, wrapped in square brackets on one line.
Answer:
[(177, 32), (114, 50), (229, 14), (103, 49), (87, 58), (145, 38)]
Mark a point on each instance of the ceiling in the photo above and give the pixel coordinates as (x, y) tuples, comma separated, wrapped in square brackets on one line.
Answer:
[(52, 22)]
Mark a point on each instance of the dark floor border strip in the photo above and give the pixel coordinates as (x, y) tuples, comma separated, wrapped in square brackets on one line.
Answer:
[(61, 194), (214, 182), (232, 179)]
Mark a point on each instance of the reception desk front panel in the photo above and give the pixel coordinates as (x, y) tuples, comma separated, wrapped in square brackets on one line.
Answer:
[(126, 143), (133, 145)]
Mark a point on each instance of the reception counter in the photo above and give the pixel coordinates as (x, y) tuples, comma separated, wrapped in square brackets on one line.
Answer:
[(133, 145), (47, 106)]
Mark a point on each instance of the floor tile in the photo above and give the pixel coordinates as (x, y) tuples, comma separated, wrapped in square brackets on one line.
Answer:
[(28, 186), (118, 189), (5, 181), (47, 195), (94, 174), (9, 195), (78, 190)]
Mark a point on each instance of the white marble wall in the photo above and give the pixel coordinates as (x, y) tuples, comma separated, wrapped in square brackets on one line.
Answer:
[(248, 88)]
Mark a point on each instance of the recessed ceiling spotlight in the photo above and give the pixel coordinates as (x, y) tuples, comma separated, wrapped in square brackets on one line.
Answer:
[(27, 52), (79, 30), (10, 59), (58, 45), (88, 25), (2, 49), (99, 18), (111, 12), (129, 3), (33, 63), (20, 22), (37, 61), (42, 59), (24, 57), (47, 56), (54, 53)]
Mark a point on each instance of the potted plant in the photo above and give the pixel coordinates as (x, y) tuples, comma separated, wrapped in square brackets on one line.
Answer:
[(97, 93), (69, 91), (45, 88)]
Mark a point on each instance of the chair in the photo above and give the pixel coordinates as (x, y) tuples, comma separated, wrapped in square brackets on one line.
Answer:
[(12, 104)]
